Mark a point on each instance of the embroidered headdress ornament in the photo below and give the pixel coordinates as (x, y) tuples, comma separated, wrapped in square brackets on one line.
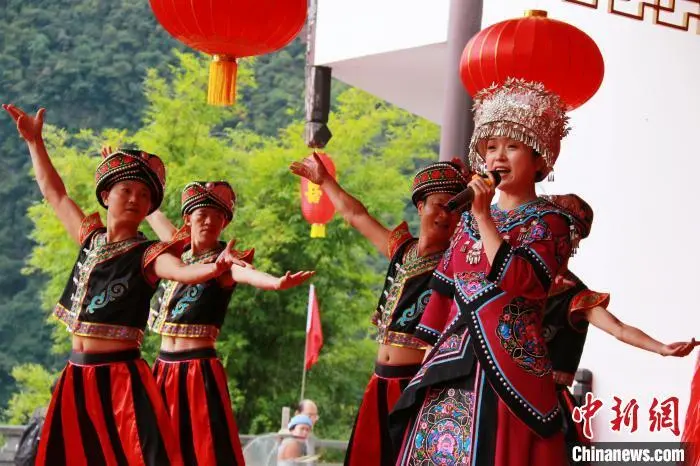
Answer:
[(522, 110)]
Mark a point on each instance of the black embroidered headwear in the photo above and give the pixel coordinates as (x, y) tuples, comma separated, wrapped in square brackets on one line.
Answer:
[(131, 164), (217, 194), (438, 177)]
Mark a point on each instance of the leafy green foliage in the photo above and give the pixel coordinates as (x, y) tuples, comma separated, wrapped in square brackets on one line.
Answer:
[(34, 384)]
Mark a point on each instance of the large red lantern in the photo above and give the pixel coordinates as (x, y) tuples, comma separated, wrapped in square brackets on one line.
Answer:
[(228, 30), (535, 48), (316, 206)]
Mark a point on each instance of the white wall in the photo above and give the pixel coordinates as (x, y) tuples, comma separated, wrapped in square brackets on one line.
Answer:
[(355, 28)]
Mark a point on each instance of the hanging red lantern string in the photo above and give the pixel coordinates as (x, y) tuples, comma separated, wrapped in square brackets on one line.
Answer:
[(316, 206), (228, 30), (535, 48)]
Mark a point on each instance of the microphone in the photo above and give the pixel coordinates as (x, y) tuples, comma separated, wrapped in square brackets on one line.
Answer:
[(465, 198)]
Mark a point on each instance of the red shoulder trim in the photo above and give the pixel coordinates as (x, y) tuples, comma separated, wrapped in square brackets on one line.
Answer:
[(588, 299), (180, 240), (398, 237), (582, 302), (176, 245), (246, 256), (89, 224)]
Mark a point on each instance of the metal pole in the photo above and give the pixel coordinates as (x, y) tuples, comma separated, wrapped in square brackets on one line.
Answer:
[(306, 337), (303, 379), (310, 31), (286, 415), (457, 122), (317, 101)]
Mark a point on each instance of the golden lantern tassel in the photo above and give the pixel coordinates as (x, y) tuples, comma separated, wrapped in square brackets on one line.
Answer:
[(222, 80), (318, 230)]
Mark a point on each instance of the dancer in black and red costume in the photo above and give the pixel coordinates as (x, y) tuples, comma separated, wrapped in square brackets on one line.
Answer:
[(405, 294), (106, 408), (189, 375)]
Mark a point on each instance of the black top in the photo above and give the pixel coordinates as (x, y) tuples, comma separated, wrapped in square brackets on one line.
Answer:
[(193, 311), (108, 293), (406, 294)]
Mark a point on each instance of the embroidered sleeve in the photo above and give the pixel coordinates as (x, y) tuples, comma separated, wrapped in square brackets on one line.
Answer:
[(89, 225), (529, 268), (175, 246), (582, 302), (398, 237), (434, 318)]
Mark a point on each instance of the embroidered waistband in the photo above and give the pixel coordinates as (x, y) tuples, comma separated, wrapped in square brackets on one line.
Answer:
[(402, 340), (171, 329), (96, 329)]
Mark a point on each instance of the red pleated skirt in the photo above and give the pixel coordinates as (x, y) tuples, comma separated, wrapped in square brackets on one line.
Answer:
[(106, 410), (370, 444), (193, 385)]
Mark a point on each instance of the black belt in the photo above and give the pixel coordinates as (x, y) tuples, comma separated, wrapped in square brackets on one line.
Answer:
[(89, 359)]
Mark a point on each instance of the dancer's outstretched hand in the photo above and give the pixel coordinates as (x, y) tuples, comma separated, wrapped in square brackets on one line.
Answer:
[(289, 280), (227, 258), (311, 168), (29, 127), (679, 349)]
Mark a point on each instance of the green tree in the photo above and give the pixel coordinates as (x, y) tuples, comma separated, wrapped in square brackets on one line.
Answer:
[(375, 148), (34, 383)]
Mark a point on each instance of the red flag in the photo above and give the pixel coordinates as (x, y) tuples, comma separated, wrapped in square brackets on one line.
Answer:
[(314, 334)]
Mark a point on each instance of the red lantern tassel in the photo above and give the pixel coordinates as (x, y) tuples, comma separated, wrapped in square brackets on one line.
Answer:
[(318, 230), (222, 80)]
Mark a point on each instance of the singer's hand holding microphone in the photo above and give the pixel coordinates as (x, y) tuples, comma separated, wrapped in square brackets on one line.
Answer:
[(478, 195)]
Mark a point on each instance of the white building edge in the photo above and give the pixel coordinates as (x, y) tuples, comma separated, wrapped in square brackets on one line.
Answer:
[(633, 154)]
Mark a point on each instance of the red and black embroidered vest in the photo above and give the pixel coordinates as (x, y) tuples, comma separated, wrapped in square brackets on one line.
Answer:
[(193, 311), (108, 293), (406, 292), (564, 329)]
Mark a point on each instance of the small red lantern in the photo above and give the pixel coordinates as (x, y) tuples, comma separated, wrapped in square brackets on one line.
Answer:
[(535, 48), (228, 30), (316, 206)]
